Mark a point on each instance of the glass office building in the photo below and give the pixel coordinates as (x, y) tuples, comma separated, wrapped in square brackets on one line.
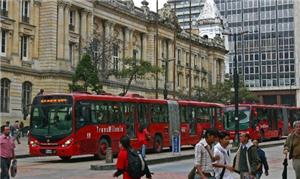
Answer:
[(266, 54)]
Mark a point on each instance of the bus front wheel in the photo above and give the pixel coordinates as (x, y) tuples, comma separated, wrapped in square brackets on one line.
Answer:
[(102, 146), (65, 158), (158, 144)]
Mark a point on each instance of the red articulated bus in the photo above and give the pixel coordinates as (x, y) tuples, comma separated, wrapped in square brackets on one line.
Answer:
[(261, 121), (66, 125)]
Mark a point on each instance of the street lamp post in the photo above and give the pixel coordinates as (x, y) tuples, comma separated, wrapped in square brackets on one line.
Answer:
[(236, 88), (166, 61)]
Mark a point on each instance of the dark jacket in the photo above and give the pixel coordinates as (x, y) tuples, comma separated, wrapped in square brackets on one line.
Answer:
[(263, 159), (253, 162)]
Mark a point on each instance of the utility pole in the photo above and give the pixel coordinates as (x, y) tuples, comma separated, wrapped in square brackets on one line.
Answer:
[(174, 53), (190, 53), (156, 51), (236, 87)]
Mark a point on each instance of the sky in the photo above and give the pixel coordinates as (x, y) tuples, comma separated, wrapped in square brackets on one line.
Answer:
[(152, 4)]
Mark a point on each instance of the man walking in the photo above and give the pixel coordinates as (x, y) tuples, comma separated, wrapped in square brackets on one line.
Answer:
[(263, 159), (204, 155), (246, 160), (7, 151), (292, 146), (222, 168)]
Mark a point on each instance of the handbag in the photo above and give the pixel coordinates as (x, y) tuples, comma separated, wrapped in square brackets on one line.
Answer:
[(13, 168), (192, 173)]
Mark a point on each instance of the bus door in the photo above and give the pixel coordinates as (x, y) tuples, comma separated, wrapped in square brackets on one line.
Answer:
[(129, 117), (140, 122), (85, 131), (174, 120)]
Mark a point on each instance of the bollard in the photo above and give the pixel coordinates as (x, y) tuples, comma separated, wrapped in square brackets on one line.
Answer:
[(108, 157)]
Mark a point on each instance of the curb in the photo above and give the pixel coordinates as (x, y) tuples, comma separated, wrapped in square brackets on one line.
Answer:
[(111, 166)]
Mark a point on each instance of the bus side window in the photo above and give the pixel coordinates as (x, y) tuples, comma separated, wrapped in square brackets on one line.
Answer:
[(83, 115), (183, 114)]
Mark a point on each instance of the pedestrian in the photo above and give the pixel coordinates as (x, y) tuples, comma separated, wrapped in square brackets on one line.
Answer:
[(246, 160), (7, 151), (292, 146), (263, 160), (21, 129), (41, 92), (204, 155), (123, 161), (222, 166), (17, 132), (143, 138)]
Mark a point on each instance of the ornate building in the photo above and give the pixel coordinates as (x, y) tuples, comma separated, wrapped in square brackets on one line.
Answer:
[(42, 41)]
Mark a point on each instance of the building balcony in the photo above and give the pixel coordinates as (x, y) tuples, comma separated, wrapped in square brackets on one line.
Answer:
[(4, 12), (71, 27), (25, 19)]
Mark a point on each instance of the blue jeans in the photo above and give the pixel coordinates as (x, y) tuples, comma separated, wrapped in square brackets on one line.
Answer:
[(5, 164), (143, 150)]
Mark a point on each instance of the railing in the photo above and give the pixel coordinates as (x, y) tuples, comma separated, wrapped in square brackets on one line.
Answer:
[(25, 19), (4, 12)]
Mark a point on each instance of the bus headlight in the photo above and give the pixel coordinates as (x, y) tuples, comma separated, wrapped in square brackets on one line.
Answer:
[(33, 143), (68, 142)]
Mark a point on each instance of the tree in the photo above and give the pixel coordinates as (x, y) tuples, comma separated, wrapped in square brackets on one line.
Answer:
[(222, 93), (86, 72), (135, 68)]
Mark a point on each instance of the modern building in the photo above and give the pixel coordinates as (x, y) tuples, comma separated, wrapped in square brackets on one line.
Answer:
[(268, 59), (42, 42)]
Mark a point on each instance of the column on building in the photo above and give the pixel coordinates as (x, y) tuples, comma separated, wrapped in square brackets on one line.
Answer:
[(37, 5), (144, 47), (9, 43), (66, 43), (90, 24), (77, 22), (61, 29), (128, 42), (31, 13), (171, 62), (30, 46), (83, 26), (13, 9)]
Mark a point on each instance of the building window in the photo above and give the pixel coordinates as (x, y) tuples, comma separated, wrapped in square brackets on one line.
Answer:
[(26, 93), (3, 10), (5, 85), (24, 48), (178, 56), (72, 21), (115, 58), (25, 11), (3, 44)]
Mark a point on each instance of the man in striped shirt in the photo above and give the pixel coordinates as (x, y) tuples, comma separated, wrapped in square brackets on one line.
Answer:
[(204, 155), (7, 151)]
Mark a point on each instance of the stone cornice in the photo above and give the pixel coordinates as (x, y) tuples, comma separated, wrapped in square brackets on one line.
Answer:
[(33, 72)]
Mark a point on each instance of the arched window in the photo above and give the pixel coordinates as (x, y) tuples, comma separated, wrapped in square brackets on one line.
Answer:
[(5, 87), (26, 93)]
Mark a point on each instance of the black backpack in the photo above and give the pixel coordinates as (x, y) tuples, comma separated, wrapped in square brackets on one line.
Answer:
[(136, 165)]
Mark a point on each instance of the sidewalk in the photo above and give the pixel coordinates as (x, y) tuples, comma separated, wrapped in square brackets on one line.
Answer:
[(170, 157), (22, 150)]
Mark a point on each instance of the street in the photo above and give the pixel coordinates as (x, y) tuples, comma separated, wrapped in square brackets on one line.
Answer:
[(79, 167)]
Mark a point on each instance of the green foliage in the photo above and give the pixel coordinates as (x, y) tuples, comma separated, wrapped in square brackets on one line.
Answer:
[(135, 68), (222, 93), (86, 73)]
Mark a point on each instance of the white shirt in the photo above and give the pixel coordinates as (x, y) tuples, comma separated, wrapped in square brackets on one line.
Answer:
[(202, 157), (224, 155)]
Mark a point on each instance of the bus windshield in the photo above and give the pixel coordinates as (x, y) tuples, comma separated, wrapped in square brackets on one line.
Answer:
[(244, 116), (51, 120)]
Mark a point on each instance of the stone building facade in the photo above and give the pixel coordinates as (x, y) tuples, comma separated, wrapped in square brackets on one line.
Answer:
[(42, 41)]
